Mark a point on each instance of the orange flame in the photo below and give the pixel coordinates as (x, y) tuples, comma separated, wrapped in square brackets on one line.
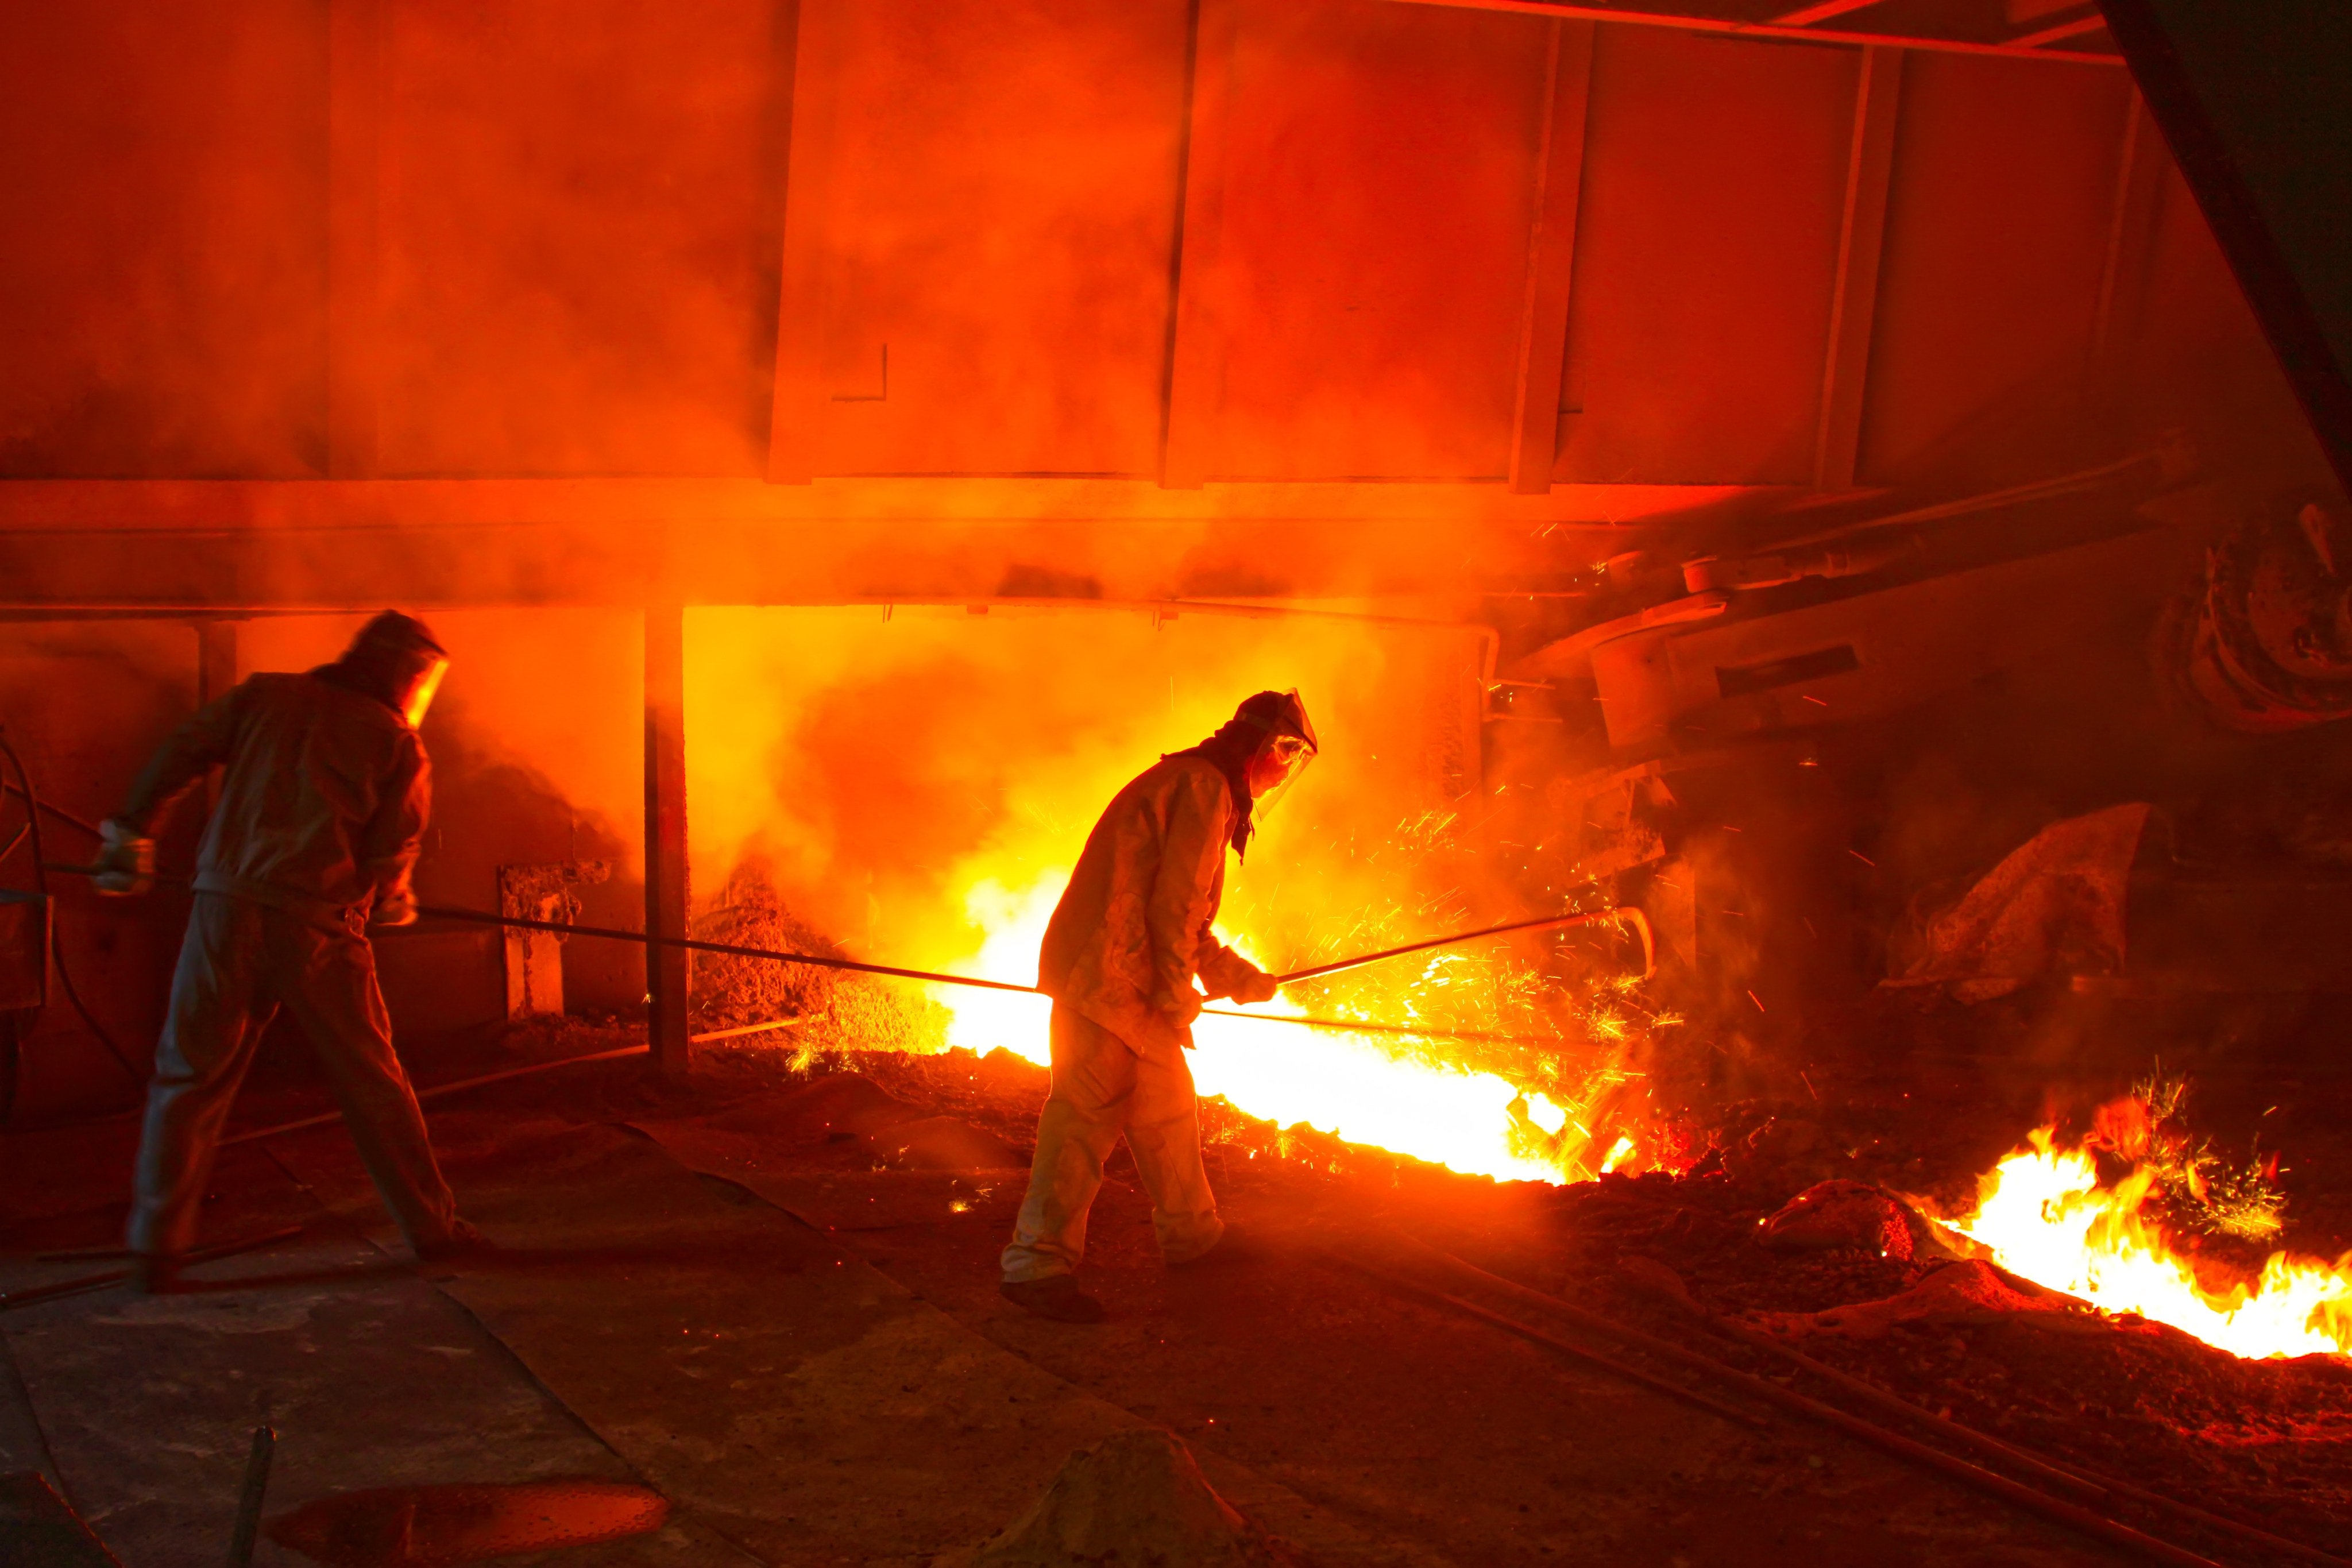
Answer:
[(1350, 1086), (2043, 1215), (917, 782)]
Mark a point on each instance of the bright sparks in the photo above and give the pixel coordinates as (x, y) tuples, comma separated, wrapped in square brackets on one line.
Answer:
[(2043, 1215), (1350, 1086)]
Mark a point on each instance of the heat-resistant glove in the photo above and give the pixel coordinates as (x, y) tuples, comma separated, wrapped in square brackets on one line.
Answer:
[(1256, 985), (126, 860), (393, 909)]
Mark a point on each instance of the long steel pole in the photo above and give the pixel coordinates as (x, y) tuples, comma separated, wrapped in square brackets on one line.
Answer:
[(896, 972), (1624, 916)]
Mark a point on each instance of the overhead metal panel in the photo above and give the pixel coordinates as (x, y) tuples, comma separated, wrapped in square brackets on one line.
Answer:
[(2255, 101)]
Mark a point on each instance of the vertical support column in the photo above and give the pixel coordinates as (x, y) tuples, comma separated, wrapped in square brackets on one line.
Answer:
[(1551, 259), (1188, 448), (2252, 101), (795, 417), (355, 62), (215, 661), (1854, 299), (2122, 279), (667, 969), (216, 673)]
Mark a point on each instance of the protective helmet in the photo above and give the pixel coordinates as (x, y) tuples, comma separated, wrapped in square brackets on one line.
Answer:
[(389, 632), (401, 654), (1289, 738), (1281, 713)]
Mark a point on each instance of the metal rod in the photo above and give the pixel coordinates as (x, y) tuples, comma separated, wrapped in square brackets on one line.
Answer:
[(2039, 489), (1553, 1342), (327, 1118), (99, 1282), (1416, 1031), (2093, 1488), (1345, 1024), (1624, 916), (820, 961), (248, 1501), (1771, 30), (741, 1030), (2087, 1520), (67, 817)]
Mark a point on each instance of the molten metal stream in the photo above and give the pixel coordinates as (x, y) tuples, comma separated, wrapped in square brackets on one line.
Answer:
[(1349, 1084)]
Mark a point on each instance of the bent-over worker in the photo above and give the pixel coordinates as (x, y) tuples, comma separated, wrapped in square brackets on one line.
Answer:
[(322, 803), (1124, 945)]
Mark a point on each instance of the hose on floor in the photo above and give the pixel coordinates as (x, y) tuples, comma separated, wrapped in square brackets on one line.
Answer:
[(32, 808)]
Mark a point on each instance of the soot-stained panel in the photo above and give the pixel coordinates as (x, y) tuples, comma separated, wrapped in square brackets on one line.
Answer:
[(1379, 191), (1715, 173), (1000, 235), (1996, 224), (2196, 360), (574, 273), (163, 289)]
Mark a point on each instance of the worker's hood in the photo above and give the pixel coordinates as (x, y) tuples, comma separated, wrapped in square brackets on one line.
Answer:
[(396, 661)]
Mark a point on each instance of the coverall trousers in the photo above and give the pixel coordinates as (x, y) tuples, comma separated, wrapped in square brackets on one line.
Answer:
[(1102, 1089), (240, 962)]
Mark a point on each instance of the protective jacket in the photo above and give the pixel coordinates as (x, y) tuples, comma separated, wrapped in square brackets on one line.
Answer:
[(1133, 927), (323, 805)]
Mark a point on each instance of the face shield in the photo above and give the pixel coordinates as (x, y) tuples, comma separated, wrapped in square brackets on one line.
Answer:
[(1281, 757), (420, 690)]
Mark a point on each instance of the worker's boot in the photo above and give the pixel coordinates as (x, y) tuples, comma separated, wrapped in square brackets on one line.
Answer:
[(155, 1273), (1056, 1296)]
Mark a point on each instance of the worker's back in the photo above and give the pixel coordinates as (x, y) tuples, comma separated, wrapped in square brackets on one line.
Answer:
[(323, 796), (1131, 926)]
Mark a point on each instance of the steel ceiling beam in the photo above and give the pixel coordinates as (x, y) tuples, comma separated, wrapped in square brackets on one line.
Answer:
[(2255, 101), (1823, 12), (1778, 30)]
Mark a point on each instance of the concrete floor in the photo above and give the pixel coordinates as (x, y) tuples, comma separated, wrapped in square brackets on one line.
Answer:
[(721, 1296)]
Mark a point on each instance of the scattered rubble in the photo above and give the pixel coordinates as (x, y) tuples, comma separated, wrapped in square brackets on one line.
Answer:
[(2265, 1440), (1834, 1213), (943, 1143), (1969, 1292), (1136, 1499)]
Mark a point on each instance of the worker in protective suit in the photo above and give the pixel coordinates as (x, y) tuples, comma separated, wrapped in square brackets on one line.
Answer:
[(322, 802), (1124, 946)]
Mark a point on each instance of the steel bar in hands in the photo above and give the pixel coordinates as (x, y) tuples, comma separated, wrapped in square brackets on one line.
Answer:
[(1627, 916), (934, 977)]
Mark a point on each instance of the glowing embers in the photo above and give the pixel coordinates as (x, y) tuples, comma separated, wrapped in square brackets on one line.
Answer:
[(2045, 1215), (1358, 1088), (433, 1526)]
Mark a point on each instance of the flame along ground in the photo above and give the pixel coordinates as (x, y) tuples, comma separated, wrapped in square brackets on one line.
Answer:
[(2045, 1216), (1352, 1085), (2042, 1214)]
